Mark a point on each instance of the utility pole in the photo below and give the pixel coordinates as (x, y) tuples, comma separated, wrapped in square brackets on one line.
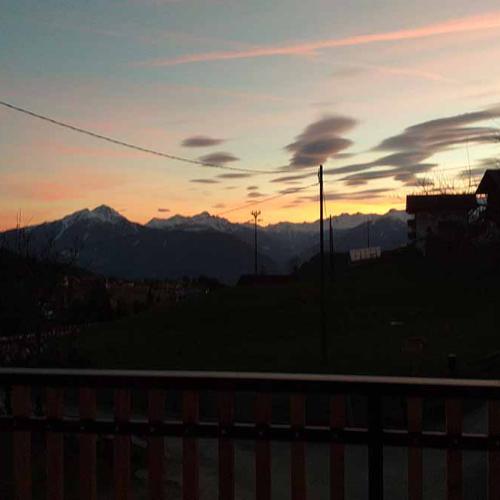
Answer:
[(332, 255), (324, 345), (255, 214), (368, 222)]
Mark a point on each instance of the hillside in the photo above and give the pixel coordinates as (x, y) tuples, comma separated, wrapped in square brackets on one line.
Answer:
[(375, 314)]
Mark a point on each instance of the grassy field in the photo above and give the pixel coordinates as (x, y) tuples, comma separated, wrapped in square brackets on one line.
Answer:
[(372, 311)]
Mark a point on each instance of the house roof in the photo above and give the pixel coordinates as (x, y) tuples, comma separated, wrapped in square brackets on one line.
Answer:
[(440, 202), (490, 182)]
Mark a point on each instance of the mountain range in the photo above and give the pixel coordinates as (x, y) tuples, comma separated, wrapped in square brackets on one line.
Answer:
[(104, 241)]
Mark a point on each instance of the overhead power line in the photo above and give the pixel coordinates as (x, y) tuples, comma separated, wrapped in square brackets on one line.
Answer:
[(265, 200), (134, 146)]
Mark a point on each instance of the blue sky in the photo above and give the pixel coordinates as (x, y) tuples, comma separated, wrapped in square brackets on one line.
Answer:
[(271, 82)]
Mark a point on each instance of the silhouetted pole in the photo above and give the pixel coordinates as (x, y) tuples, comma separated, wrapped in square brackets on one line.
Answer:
[(255, 214), (332, 256), (324, 345), (368, 233)]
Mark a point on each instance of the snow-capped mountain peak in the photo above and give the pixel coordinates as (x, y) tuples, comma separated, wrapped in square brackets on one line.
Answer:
[(201, 221), (175, 246), (102, 213), (106, 214)]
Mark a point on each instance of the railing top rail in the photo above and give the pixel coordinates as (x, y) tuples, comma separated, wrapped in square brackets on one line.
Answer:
[(249, 381)]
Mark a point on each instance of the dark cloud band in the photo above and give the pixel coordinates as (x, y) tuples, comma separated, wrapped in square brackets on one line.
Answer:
[(320, 140), (201, 141), (408, 153), (219, 158)]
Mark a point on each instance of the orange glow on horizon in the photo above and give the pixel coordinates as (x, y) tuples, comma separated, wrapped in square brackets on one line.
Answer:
[(307, 212)]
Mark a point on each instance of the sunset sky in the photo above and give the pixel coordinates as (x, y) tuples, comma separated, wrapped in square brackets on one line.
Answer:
[(382, 92)]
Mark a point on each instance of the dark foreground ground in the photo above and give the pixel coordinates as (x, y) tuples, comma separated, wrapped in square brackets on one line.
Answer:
[(400, 315)]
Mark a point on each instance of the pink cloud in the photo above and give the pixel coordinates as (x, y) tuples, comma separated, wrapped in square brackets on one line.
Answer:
[(411, 72), (66, 185), (466, 24)]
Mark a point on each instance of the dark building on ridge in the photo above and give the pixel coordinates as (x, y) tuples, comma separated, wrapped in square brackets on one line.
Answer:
[(440, 221), (488, 194)]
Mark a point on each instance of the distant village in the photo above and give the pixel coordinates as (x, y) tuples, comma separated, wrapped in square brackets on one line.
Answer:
[(42, 300)]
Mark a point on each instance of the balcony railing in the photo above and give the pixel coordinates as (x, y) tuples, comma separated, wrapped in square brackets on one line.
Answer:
[(40, 402)]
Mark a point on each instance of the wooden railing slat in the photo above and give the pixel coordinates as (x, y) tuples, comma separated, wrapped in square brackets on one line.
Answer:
[(87, 442), (337, 450), (156, 445), (226, 447), (494, 454), (375, 449), (190, 448), (21, 407), (415, 468), (454, 465), (55, 446), (121, 448), (297, 448), (263, 415)]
